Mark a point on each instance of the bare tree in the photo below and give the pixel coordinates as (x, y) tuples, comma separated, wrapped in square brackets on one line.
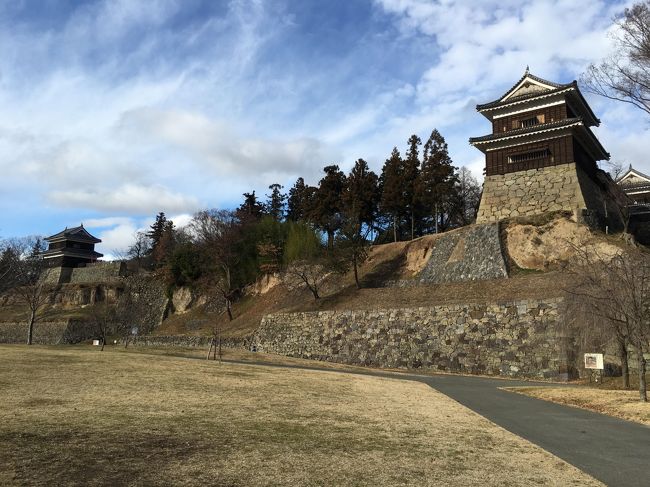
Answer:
[(28, 284), (616, 169), (617, 288), (215, 343), (625, 75), (311, 274), (104, 320), (219, 234), (9, 259), (352, 244)]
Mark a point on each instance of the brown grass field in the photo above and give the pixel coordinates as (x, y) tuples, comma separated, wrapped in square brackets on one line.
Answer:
[(619, 403), (77, 416)]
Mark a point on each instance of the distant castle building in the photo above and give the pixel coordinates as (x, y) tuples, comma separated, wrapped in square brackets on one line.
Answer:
[(636, 186), (541, 155), (71, 257), (73, 247)]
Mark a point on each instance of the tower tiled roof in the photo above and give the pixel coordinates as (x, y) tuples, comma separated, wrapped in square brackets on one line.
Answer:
[(76, 233), (514, 99), (527, 130)]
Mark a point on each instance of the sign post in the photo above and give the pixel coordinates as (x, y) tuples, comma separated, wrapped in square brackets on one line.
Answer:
[(594, 362)]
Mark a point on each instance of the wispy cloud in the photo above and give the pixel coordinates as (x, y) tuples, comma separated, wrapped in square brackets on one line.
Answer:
[(115, 110)]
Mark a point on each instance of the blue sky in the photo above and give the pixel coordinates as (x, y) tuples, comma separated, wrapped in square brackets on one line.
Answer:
[(113, 111)]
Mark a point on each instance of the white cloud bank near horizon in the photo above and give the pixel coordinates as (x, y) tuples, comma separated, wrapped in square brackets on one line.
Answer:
[(115, 111)]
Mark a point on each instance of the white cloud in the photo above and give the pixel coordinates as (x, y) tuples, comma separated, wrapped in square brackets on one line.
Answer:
[(116, 110), (110, 221), (214, 146), (117, 240), (128, 198)]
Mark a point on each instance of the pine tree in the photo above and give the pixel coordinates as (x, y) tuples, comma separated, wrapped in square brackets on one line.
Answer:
[(436, 184), (157, 230), (165, 246), (409, 180), (251, 209), (325, 211), (296, 203), (360, 200), (391, 203), (361, 194), (276, 202)]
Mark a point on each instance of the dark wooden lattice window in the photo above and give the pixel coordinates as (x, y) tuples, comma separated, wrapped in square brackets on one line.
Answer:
[(530, 156), (528, 121)]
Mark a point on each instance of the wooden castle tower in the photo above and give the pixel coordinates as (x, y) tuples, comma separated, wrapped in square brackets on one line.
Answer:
[(70, 248), (541, 155)]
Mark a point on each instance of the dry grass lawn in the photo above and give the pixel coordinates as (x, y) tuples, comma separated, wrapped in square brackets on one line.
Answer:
[(77, 416), (619, 403)]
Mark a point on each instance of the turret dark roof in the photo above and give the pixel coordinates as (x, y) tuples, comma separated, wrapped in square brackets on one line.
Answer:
[(77, 233), (540, 128), (527, 130), (554, 88), (515, 99)]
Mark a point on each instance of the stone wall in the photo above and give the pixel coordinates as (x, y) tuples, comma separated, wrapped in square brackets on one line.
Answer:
[(98, 272), (557, 188), (185, 341), (519, 339), (531, 192), (467, 254), (47, 333)]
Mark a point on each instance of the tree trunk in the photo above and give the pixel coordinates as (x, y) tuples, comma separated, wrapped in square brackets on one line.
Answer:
[(103, 343), (314, 291), (394, 228), (625, 369), (229, 309), (30, 328), (412, 224), (643, 394), (356, 272), (436, 216)]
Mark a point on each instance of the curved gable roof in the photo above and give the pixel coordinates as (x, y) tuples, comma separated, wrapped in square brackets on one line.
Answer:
[(76, 233)]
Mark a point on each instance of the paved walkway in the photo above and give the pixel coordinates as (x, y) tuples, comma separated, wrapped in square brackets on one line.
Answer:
[(615, 451)]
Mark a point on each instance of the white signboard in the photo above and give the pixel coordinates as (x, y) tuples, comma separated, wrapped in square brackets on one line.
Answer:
[(96, 342), (594, 361)]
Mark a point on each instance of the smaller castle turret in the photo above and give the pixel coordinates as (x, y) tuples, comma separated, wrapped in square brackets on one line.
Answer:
[(72, 247)]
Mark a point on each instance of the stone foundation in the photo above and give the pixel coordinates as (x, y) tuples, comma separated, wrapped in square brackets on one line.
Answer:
[(530, 192), (98, 272), (518, 339), (556, 188)]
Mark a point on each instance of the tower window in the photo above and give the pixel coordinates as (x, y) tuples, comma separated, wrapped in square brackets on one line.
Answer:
[(530, 156), (528, 122)]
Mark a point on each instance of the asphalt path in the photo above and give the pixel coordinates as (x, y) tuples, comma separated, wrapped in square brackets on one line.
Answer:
[(615, 451)]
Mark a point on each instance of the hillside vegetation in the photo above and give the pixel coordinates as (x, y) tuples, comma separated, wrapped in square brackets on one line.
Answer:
[(537, 253)]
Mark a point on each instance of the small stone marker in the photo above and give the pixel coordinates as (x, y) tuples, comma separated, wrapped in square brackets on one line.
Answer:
[(96, 342)]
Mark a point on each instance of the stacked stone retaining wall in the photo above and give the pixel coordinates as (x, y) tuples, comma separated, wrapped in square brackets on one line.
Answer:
[(520, 338), (98, 272), (530, 192), (467, 254), (185, 341), (594, 200), (47, 332)]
